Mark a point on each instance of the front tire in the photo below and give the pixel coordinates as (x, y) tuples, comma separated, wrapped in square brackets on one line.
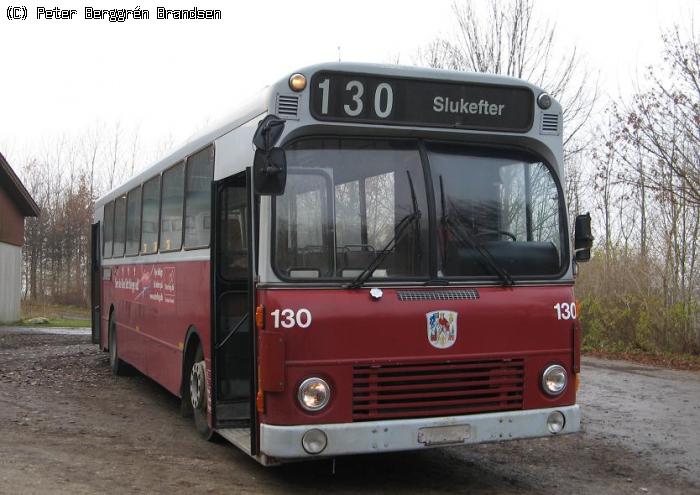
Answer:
[(119, 367), (198, 394)]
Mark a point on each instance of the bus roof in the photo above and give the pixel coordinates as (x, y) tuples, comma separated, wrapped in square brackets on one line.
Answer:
[(259, 104)]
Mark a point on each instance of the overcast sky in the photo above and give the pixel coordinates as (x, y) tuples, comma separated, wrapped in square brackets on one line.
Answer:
[(170, 77)]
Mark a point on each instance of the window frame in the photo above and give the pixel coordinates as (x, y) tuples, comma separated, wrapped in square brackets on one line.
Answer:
[(140, 217), (184, 201), (143, 185), (422, 146), (337, 280), (519, 153), (122, 196), (104, 230), (160, 209)]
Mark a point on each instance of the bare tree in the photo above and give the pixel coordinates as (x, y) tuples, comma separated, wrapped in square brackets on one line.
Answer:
[(507, 38)]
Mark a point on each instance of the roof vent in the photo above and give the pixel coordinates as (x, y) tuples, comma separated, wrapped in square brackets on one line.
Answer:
[(550, 124), (288, 106)]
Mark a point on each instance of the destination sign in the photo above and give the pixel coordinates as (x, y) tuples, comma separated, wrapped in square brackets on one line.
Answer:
[(346, 97)]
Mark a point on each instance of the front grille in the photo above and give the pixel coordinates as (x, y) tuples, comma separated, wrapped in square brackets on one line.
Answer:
[(414, 390), (437, 295)]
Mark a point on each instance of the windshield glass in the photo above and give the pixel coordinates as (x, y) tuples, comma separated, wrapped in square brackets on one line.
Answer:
[(343, 204), (349, 206), (506, 204)]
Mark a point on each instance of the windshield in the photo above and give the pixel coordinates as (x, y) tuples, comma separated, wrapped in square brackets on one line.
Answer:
[(342, 206), (349, 207), (507, 206)]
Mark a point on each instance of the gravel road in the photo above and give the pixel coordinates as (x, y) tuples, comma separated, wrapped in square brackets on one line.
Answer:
[(67, 426)]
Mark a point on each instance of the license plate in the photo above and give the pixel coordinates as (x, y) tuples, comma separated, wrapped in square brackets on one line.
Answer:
[(438, 435)]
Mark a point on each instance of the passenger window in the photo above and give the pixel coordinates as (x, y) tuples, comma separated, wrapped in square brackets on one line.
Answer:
[(133, 221), (200, 169), (233, 248), (119, 226), (150, 220), (108, 230), (171, 208)]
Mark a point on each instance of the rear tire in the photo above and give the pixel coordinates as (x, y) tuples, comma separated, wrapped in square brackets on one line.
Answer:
[(119, 367), (197, 392)]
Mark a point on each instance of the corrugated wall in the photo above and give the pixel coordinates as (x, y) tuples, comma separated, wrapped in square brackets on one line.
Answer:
[(11, 220), (10, 282)]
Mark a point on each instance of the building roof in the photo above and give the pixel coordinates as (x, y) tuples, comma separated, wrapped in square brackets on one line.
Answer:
[(16, 190)]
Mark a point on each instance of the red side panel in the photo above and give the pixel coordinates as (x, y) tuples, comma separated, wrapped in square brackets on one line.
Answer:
[(155, 305)]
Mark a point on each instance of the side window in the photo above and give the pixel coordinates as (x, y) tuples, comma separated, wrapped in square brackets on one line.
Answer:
[(133, 221), (200, 170), (171, 208), (233, 248), (119, 226), (302, 224), (150, 218), (108, 226)]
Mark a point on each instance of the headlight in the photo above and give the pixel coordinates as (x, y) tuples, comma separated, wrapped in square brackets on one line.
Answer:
[(555, 422), (554, 379), (314, 441), (314, 394)]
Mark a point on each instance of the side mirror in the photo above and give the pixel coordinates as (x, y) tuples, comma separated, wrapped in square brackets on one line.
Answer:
[(270, 162), (583, 237), (270, 172)]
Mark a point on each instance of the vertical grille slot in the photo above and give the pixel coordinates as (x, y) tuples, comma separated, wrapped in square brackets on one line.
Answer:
[(414, 390), (288, 106), (550, 124)]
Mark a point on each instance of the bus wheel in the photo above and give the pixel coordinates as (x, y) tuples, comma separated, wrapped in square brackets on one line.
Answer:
[(118, 366), (199, 394)]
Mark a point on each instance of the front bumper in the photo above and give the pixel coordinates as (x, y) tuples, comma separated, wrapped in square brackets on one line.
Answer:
[(284, 442)]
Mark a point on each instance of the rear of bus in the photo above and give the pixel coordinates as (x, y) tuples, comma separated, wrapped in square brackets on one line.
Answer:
[(415, 277)]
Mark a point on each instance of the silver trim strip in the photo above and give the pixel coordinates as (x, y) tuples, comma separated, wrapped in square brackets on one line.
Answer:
[(172, 257), (284, 442)]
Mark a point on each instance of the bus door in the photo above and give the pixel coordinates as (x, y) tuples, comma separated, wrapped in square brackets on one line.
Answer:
[(232, 303), (95, 281)]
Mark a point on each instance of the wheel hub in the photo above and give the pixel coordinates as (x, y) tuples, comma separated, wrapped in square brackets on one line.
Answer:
[(198, 385)]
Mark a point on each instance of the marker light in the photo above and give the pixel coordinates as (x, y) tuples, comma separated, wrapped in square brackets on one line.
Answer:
[(314, 394), (297, 82), (314, 441), (260, 317), (544, 101), (554, 379)]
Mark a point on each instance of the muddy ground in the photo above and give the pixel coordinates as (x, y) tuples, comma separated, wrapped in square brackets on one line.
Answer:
[(68, 426)]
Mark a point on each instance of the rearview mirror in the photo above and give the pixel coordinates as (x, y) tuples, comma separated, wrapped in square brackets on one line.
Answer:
[(270, 172), (270, 162), (583, 237)]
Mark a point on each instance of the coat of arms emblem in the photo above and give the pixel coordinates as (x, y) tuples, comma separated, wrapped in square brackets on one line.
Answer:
[(442, 328)]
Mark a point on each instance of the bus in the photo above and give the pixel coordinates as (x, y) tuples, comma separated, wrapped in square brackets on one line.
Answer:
[(362, 259)]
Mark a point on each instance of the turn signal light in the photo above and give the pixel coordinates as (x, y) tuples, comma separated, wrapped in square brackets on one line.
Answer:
[(260, 402), (260, 317)]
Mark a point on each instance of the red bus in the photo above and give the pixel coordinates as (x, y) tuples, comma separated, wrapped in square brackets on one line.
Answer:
[(363, 259)]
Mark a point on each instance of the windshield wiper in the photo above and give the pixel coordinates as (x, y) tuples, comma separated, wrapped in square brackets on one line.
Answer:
[(391, 245), (467, 240)]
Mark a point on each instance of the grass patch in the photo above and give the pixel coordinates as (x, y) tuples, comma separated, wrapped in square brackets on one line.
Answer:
[(32, 309), (59, 322), (669, 360), (58, 315)]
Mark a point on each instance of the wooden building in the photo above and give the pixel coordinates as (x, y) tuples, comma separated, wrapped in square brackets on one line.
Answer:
[(15, 205)]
